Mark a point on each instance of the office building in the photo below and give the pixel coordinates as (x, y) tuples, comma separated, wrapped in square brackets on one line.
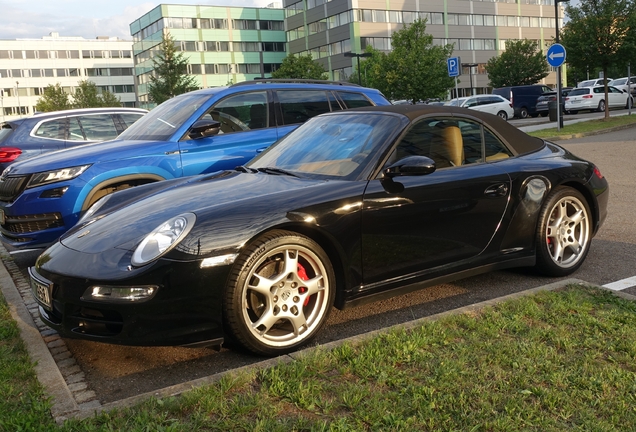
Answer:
[(477, 29), (28, 66), (223, 45)]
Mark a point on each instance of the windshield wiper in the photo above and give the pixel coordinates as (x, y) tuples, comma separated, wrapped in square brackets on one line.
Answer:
[(273, 170), (245, 169)]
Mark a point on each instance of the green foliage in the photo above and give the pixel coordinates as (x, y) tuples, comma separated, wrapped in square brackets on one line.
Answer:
[(415, 69), (300, 67), (600, 34), (53, 99), (87, 96), (169, 76), (522, 63)]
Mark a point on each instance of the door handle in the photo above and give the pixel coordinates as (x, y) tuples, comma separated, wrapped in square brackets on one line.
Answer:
[(497, 190)]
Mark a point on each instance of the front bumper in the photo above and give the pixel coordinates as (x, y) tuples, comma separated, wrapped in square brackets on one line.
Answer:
[(186, 310)]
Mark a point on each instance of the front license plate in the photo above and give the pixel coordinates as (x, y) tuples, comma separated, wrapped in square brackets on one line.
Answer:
[(41, 289)]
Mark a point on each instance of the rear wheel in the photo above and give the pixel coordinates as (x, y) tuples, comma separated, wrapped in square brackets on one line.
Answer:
[(503, 115), (279, 293), (601, 106), (564, 232), (523, 112)]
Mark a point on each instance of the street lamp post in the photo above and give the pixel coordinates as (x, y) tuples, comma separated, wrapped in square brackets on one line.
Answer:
[(559, 86), (350, 54), (17, 93), (470, 74)]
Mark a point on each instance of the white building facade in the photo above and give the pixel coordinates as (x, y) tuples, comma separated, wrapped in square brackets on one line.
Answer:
[(28, 66)]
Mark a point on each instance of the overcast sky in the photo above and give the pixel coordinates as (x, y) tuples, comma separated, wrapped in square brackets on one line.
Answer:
[(87, 18)]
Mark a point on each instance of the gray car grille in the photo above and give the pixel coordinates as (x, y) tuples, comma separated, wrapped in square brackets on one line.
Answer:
[(12, 187)]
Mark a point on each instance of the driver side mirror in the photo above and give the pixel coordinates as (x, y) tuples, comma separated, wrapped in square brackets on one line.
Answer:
[(410, 166), (204, 128)]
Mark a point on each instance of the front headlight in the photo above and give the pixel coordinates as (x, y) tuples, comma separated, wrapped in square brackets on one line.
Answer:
[(39, 179), (163, 239)]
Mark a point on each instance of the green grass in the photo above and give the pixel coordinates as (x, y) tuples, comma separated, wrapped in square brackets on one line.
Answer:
[(586, 126), (556, 361)]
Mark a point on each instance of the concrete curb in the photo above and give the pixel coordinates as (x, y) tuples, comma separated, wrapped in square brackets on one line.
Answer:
[(64, 401), (591, 133)]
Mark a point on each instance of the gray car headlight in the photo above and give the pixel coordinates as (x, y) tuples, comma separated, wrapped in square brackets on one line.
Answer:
[(39, 179), (165, 237)]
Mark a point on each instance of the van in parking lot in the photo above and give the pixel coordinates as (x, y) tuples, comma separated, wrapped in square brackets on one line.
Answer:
[(523, 98)]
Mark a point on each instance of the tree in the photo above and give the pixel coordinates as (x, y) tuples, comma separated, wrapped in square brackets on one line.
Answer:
[(169, 77), (53, 99), (87, 96), (300, 67), (599, 34), (522, 63), (415, 69)]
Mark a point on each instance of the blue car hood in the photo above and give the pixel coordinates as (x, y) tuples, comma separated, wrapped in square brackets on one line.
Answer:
[(89, 154), (219, 197)]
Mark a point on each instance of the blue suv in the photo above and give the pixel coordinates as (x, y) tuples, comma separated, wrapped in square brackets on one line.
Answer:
[(198, 132)]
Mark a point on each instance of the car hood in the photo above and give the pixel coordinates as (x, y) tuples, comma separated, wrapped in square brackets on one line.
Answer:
[(222, 202), (85, 154)]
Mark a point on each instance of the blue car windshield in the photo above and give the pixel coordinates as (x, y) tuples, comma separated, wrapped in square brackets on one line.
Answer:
[(162, 122), (332, 145)]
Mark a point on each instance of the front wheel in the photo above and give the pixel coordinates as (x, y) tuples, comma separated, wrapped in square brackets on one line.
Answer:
[(564, 232), (503, 115), (279, 293)]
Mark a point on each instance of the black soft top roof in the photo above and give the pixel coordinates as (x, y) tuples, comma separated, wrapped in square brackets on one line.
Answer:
[(518, 140)]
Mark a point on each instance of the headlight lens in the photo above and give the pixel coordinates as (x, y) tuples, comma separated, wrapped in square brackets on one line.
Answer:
[(47, 177), (163, 239)]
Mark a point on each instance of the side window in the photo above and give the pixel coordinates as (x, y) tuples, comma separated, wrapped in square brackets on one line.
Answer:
[(494, 149), (130, 118), (298, 106), (99, 127), (470, 103), (599, 90), (75, 132), (54, 129), (335, 105), (450, 143), (242, 112), (354, 100)]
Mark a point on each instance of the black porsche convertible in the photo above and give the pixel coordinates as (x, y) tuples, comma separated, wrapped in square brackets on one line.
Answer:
[(353, 206)]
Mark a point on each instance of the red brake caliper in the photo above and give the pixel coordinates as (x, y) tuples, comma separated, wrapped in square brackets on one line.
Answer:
[(303, 275)]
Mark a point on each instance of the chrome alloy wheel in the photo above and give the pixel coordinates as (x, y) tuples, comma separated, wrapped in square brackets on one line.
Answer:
[(285, 296), (567, 232)]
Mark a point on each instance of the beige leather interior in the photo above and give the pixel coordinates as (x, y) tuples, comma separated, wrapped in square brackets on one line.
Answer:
[(453, 145)]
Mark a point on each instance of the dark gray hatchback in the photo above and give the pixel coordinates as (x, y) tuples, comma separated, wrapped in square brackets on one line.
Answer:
[(44, 132)]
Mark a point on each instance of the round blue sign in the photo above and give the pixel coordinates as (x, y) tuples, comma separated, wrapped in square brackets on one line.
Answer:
[(556, 55)]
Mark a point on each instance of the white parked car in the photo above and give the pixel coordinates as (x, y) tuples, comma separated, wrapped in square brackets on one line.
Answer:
[(593, 99), (621, 84), (490, 103), (593, 82)]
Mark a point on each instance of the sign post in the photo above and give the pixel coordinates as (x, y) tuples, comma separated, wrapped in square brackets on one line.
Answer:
[(556, 57), (454, 70)]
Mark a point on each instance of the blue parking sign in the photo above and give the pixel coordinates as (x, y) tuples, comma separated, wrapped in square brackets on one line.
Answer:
[(454, 67)]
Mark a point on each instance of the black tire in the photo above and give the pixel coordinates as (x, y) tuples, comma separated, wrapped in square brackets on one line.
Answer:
[(573, 112), (503, 115), (601, 106), (629, 103), (564, 232), (543, 114), (523, 112), (269, 306)]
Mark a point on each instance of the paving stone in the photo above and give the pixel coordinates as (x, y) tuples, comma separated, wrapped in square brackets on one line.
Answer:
[(84, 396), (61, 356), (56, 344), (58, 350), (75, 378), (77, 387), (66, 363), (48, 332), (51, 338), (70, 371), (90, 405)]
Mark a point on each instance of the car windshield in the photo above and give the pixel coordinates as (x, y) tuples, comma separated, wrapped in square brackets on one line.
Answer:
[(331, 145), (579, 91), (163, 121), (456, 102), (620, 81)]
